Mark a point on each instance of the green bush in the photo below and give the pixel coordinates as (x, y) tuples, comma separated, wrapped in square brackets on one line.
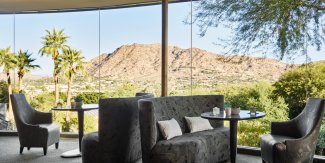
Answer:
[(91, 97), (4, 95), (45, 101), (321, 138), (296, 85), (260, 96), (124, 90)]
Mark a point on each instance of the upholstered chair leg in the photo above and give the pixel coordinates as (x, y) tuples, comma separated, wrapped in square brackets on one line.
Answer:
[(28, 148), (21, 150), (44, 150), (57, 145)]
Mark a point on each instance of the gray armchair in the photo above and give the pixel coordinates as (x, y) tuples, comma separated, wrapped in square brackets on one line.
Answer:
[(35, 129), (295, 140), (118, 136)]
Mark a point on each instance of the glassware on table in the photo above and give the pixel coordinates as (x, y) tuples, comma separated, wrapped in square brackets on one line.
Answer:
[(252, 110), (235, 111), (216, 111), (228, 111), (227, 107)]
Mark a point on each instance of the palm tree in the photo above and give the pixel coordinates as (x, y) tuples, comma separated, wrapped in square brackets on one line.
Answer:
[(24, 65), (53, 44), (8, 61), (72, 62)]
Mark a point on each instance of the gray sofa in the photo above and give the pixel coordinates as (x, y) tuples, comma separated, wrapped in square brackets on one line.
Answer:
[(35, 129), (201, 147), (118, 136), (295, 140)]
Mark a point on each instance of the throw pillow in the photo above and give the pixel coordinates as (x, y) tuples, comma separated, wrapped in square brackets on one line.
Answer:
[(169, 128), (198, 124)]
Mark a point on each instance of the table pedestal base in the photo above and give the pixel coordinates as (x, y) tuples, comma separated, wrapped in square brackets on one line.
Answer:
[(71, 154), (233, 141)]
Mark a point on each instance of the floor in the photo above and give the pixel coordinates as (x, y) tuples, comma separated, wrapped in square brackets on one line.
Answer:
[(9, 153)]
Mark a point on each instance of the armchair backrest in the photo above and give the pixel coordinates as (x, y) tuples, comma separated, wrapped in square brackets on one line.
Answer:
[(311, 117), (119, 133), (23, 112)]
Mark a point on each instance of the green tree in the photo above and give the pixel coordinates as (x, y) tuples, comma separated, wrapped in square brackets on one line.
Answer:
[(282, 25), (8, 62), (24, 65), (296, 85), (53, 44)]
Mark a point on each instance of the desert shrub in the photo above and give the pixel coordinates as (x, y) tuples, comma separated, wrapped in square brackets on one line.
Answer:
[(320, 149), (124, 90), (4, 96), (296, 85), (91, 97), (260, 96), (321, 138), (45, 101)]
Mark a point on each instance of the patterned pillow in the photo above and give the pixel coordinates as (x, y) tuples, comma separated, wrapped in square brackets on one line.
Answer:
[(198, 124), (169, 128)]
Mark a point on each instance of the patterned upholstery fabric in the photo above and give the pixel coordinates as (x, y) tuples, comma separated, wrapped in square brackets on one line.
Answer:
[(294, 141), (35, 129), (205, 146), (118, 138)]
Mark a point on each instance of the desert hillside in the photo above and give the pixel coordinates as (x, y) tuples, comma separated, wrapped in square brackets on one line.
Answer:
[(143, 62)]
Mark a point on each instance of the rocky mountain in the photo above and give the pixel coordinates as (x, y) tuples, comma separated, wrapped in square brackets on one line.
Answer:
[(142, 62)]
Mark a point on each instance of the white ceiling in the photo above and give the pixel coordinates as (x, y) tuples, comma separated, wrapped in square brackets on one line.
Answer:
[(37, 6)]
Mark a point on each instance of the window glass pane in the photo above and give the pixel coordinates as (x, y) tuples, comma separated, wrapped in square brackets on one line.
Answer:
[(130, 48)]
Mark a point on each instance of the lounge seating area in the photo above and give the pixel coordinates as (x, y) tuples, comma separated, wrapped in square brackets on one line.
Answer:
[(218, 81), (152, 129)]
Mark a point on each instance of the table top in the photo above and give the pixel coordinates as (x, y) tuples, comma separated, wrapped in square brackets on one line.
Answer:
[(243, 115), (84, 107)]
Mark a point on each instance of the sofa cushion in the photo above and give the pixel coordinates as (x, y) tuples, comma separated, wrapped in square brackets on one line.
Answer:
[(194, 147), (196, 124)]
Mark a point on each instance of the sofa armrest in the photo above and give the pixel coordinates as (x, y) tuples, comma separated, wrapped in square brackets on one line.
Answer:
[(148, 128), (42, 118), (287, 128)]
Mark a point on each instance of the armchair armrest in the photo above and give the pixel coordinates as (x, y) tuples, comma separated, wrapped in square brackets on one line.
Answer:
[(32, 134), (42, 118), (287, 128), (301, 149)]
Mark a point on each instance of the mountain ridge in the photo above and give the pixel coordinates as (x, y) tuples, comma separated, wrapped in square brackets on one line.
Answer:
[(142, 62)]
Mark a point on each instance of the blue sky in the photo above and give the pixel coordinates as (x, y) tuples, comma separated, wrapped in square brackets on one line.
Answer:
[(118, 27)]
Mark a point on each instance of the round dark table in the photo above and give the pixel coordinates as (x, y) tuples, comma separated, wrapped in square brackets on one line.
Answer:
[(233, 119), (80, 111)]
